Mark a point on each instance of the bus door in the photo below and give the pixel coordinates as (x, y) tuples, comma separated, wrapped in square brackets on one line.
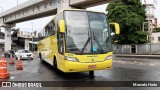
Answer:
[(60, 39)]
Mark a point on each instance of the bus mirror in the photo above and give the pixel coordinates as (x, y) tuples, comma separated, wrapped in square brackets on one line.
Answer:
[(115, 27), (62, 26)]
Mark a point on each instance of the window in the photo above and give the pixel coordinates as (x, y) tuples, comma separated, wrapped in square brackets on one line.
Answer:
[(87, 32), (49, 30), (40, 35), (47, 33), (60, 36), (53, 30), (43, 33)]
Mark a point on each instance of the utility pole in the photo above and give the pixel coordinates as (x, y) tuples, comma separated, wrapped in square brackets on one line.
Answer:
[(32, 36)]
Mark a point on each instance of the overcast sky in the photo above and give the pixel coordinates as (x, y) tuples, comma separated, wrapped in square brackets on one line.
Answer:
[(38, 24)]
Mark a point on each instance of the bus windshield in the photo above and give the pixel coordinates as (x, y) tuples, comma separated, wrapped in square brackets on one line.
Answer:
[(87, 32)]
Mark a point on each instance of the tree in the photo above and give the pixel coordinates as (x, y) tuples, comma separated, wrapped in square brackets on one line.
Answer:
[(130, 14), (156, 29)]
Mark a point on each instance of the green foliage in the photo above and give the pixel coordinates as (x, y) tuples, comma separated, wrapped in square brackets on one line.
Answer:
[(130, 15), (156, 30)]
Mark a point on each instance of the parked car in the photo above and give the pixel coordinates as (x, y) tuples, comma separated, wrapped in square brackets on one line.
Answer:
[(24, 54), (8, 53)]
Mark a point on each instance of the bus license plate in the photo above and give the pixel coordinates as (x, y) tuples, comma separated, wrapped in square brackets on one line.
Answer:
[(91, 66)]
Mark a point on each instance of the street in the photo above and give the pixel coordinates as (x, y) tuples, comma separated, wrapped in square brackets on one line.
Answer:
[(80, 35), (124, 69)]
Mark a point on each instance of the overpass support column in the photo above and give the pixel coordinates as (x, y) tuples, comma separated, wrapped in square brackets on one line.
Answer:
[(7, 39), (26, 44)]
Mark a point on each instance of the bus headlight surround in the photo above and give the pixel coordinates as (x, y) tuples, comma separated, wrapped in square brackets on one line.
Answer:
[(71, 59), (108, 58)]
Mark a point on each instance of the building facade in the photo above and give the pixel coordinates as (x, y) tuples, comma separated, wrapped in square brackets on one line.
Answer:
[(25, 40), (156, 37), (20, 40)]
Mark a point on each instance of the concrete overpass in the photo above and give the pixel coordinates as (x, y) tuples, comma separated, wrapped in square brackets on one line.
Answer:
[(34, 9)]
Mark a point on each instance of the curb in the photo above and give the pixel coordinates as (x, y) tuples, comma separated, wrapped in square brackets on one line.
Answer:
[(140, 56)]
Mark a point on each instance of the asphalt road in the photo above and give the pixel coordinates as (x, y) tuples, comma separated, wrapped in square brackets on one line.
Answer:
[(124, 69)]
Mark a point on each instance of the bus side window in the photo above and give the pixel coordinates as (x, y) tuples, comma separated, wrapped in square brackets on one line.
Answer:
[(43, 34), (39, 36), (46, 31), (53, 31)]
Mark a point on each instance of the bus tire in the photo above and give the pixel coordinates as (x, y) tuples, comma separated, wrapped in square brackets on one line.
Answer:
[(91, 74), (55, 63), (40, 57)]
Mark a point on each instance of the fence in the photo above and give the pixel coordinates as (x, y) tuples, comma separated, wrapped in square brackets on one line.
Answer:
[(137, 49)]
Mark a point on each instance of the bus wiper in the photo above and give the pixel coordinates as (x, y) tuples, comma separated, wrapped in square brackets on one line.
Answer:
[(99, 45), (89, 38), (85, 44)]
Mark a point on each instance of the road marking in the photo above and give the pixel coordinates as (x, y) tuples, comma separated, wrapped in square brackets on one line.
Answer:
[(135, 62)]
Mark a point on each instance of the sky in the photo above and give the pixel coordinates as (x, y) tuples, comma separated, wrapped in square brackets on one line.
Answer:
[(38, 24)]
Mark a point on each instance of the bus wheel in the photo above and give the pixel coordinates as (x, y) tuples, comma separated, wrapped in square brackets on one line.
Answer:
[(55, 64), (91, 74)]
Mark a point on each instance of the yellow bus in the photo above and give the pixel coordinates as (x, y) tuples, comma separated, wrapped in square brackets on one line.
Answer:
[(77, 41)]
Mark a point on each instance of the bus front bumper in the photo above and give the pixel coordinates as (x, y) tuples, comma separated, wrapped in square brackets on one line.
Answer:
[(80, 67)]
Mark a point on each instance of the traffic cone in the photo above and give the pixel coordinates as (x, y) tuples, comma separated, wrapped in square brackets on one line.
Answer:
[(19, 64), (4, 60), (11, 59), (3, 70)]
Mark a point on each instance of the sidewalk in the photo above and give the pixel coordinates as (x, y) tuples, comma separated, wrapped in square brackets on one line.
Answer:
[(138, 56)]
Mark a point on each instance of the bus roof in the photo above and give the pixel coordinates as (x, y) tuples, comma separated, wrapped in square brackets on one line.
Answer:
[(80, 10)]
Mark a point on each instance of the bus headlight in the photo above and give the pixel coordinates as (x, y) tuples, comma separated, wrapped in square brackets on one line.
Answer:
[(71, 59), (108, 58)]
